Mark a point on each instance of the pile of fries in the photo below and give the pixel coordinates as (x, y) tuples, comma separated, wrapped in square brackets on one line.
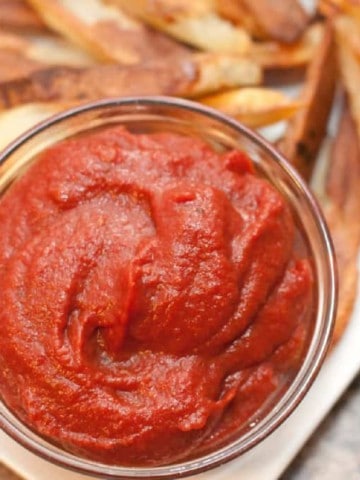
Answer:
[(229, 54)]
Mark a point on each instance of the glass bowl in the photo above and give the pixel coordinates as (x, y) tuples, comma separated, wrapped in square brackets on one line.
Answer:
[(150, 114)]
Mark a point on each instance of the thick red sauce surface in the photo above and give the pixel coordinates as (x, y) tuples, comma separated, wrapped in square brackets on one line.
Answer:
[(151, 298)]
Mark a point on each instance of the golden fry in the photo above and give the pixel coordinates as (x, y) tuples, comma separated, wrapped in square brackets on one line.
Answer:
[(350, 73), (13, 65), (11, 41), (327, 8), (215, 72), (236, 11), (339, 195), (281, 20), (273, 55), (16, 121), (331, 7), (196, 23), (16, 14), (192, 76), (44, 48), (348, 31), (104, 31), (307, 129), (255, 107)]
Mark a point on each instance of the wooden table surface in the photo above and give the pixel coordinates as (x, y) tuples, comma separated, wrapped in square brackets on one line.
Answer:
[(332, 453)]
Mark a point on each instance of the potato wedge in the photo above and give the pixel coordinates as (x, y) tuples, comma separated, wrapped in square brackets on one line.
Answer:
[(255, 107), (327, 8), (273, 55), (349, 65), (44, 48), (306, 130), (16, 14), (215, 72), (190, 76), (236, 12), (339, 195), (16, 121), (13, 65), (348, 30), (281, 20), (342, 184), (196, 23), (330, 7), (105, 32), (53, 50), (11, 41)]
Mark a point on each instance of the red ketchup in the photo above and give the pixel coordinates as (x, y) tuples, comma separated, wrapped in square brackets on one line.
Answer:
[(152, 297)]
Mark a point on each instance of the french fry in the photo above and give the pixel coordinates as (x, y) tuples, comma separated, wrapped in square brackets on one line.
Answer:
[(274, 55), (21, 55), (215, 72), (280, 20), (44, 48), (236, 11), (16, 121), (350, 73), (196, 23), (330, 7), (11, 41), (338, 191), (192, 76), (16, 14), (306, 130), (13, 66), (53, 50), (348, 30), (105, 32), (342, 184), (255, 107), (327, 8)]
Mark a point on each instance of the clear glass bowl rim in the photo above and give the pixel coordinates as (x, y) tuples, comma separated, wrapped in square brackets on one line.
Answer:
[(234, 449)]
